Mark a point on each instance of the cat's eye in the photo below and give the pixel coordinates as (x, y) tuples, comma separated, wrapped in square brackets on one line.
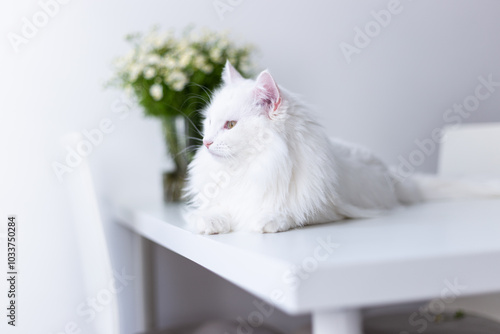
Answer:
[(229, 125)]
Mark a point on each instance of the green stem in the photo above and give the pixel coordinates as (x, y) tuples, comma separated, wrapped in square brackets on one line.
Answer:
[(174, 129)]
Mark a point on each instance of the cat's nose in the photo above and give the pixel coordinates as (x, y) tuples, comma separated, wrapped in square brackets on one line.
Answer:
[(207, 143)]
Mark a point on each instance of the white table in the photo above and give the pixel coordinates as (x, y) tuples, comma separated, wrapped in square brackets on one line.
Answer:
[(413, 254)]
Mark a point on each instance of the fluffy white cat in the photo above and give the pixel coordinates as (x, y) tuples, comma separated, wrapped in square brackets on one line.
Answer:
[(267, 165)]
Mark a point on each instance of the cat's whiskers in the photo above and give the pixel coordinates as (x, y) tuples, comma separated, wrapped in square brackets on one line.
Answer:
[(205, 89), (207, 99), (190, 148), (228, 154), (195, 97), (194, 138), (189, 120)]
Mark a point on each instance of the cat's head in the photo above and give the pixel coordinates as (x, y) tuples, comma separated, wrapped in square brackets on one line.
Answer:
[(243, 115)]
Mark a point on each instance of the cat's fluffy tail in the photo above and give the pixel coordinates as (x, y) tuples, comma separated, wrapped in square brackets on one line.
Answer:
[(434, 188)]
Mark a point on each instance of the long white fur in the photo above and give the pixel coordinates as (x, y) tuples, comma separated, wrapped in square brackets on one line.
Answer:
[(277, 169)]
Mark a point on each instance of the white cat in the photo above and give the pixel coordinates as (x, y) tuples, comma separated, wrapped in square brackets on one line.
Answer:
[(266, 165)]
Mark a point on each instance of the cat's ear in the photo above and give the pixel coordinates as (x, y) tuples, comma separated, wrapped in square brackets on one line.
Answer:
[(268, 93), (230, 74)]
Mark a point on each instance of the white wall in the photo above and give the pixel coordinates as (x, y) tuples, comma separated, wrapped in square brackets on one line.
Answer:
[(393, 92)]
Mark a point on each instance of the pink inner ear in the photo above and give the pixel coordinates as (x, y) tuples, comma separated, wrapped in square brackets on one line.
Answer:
[(267, 92)]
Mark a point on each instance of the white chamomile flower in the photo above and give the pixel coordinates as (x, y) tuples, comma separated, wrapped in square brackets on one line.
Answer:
[(208, 68), (177, 80), (170, 62), (152, 59), (178, 86), (134, 70), (160, 40), (199, 61), (184, 59), (181, 76), (149, 73), (156, 92), (216, 55)]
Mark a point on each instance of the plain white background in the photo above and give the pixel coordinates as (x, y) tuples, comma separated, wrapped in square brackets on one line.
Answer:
[(394, 92)]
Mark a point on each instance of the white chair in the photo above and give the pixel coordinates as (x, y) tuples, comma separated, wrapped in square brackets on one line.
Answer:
[(93, 249), (472, 150), (466, 151)]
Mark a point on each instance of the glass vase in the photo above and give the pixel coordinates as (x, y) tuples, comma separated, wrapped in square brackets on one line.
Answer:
[(176, 132)]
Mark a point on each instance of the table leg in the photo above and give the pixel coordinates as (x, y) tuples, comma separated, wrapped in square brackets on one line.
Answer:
[(144, 284), (337, 322)]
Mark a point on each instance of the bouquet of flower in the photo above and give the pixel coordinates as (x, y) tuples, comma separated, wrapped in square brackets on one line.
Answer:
[(171, 77), (164, 71)]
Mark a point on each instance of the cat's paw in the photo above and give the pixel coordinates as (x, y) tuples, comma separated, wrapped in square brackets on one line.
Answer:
[(274, 225), (213, 225)]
